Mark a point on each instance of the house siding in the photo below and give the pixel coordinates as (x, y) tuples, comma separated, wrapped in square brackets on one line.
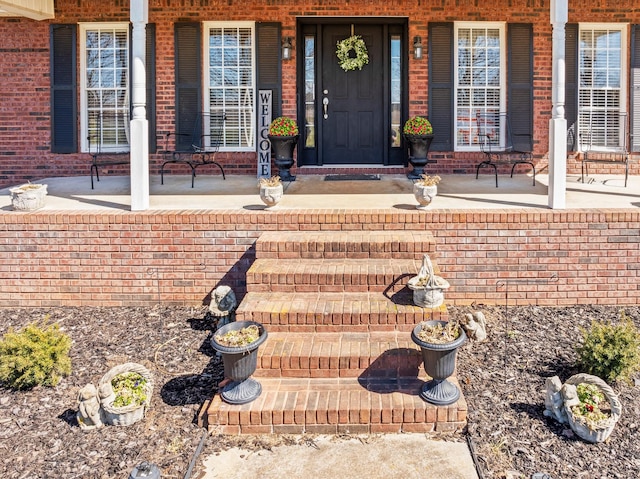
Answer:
[(25, 118), (52, 259)]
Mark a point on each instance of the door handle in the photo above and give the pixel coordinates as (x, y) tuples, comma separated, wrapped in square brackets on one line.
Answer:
[(325, 107)]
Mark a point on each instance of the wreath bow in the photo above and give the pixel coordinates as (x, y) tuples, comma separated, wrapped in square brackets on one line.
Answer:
[(355, 43)]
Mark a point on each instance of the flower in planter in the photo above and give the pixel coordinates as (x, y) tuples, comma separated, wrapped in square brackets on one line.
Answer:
[(272, 181), (439, 333), (593, 408), (418, 125), (427, 180), (239, 337), (129, 389), (283, 126)]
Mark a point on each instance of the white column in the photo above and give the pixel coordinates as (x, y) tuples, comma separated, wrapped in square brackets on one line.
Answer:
[(139, 13), (558, 123)]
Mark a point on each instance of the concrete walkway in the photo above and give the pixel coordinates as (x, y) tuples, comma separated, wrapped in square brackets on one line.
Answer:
[(391, 456)]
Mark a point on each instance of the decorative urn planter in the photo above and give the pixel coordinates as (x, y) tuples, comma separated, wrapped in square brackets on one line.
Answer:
[(418, 153), (28, 197), (240, 362), (136, 395), (599, 390), (439, 360), (283, 148), (428, 288), (424, 194), (271, 195), (283, 135)]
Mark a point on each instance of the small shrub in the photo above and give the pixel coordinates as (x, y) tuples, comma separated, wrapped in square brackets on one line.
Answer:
[(36, 355), (610, 351)]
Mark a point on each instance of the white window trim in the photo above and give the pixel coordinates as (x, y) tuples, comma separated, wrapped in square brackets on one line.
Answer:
[(205, 75), (623, 28), (84, 127), (503, 72)]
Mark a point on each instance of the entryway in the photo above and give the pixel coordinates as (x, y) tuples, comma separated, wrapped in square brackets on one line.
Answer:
[(351, 117)]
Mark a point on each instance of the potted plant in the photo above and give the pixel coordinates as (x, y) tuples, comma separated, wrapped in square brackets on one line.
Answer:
[(125, 393), (439, 342), (238, 343), (418, 133), (271, 190), (428, 288), (591, 406), (283, 135), (425, 190), (28, 197)]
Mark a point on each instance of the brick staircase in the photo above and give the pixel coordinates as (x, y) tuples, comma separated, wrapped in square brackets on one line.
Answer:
[(339, 357)]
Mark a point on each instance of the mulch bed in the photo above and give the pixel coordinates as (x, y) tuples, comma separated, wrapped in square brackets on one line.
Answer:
[(502, 380)]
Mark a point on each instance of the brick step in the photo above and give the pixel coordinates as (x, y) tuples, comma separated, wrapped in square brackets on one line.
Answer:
[(331, 406), (335, 312), (345, 244), (331, 275), (331, 355)]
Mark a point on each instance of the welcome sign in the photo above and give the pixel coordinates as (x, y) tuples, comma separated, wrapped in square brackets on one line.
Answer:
[(264, 145)]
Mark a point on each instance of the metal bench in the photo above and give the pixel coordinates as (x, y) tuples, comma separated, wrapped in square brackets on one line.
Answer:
[(101, 158), (199, 149), (500, 144), (604, 141)]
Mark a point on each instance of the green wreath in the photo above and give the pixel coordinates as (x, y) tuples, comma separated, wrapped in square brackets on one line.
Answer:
[(355, 43)]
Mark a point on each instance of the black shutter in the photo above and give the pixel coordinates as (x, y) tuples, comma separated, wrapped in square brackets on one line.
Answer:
[(269, 61), (571, 84), (64, 108), (188, 81), (635, 88), (150, 66), (520, 84), (441, 85)]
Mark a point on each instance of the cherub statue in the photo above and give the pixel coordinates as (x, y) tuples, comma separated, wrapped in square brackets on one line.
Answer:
[(89, 411), (223, 305), (475, 325), (553, 401)]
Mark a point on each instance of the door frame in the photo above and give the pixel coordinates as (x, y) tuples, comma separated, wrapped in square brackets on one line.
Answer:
[(314, 26)]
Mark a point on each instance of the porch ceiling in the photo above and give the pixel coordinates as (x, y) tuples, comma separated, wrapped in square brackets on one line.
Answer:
[(34, 9)]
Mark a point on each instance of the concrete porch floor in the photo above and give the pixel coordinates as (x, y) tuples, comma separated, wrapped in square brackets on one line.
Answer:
[(455, 192)]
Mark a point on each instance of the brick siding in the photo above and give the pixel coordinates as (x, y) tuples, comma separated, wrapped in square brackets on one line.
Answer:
[(24, 67), (173, 257)]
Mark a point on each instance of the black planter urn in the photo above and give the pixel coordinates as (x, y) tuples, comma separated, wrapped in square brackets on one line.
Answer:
[(418, 153), (283, 147), (240, 363), (439, 363)]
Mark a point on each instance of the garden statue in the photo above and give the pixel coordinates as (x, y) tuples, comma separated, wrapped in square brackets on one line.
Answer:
[(554, 402), (121, 398), (428, 288), (89, 411), (475, 325), (586, 403), (223, 305)]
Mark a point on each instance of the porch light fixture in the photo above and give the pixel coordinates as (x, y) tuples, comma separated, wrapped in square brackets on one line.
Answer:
[(286, 48), (417, 47)]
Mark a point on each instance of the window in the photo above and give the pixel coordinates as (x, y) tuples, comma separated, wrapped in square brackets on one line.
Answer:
[(104, 67), (230, 82), (602, 75), (396, 90), (309, 91), (480, 83)]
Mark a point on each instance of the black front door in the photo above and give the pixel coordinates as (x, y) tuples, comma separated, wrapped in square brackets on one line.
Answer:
[(353, 120)]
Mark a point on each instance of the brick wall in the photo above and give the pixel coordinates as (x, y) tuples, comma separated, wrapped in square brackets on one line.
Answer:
[(24, 67), (126, 258)]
